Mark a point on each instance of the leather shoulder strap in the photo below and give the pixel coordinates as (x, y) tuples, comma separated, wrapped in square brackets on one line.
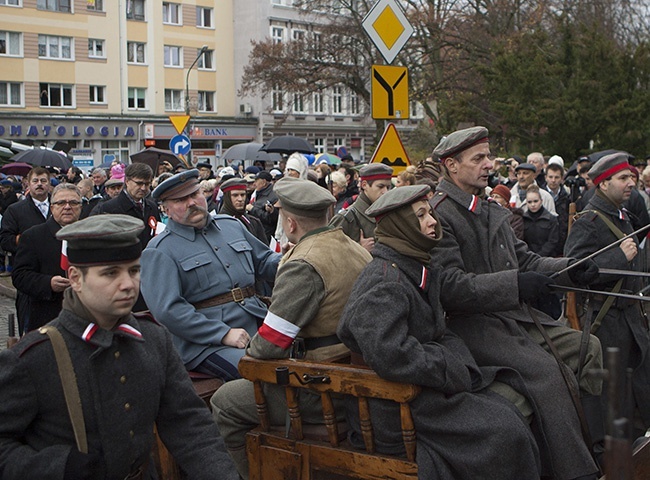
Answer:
[(70, 388)]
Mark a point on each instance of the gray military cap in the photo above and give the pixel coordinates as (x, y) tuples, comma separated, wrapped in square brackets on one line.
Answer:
[(608, 166), (177, 186), (303, 197), (113, 181), (234, 184), (526, 166), (460, 140), (375, 171), (102, 240), (397, 198)]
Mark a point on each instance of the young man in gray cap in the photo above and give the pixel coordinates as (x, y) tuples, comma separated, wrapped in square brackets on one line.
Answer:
[(234, 204), (198, 278), (487, 278), (375, 180), (124, 369), (617, 323), (525, 178), (311, 289)]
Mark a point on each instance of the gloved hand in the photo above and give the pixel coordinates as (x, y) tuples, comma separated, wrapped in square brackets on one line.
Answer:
[(532, 285), (584, 274), (82, 466)]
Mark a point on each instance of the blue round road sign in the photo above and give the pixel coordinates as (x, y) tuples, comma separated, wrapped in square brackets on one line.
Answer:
[(180, 144)]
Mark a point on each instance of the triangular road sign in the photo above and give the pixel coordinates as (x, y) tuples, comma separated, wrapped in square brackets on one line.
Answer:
[(179, 122), (390, 151)]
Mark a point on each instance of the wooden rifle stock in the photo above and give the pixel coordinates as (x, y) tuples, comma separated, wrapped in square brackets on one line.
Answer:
[(571, 304)]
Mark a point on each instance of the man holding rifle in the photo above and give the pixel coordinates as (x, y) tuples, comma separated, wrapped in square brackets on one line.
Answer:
[(617, 322), (487, 278)]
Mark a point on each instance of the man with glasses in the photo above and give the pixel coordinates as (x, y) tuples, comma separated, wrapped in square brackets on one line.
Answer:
[(32, 210), (134, 200), (39, 270)]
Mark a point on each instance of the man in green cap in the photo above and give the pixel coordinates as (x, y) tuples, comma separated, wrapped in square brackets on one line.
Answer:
[(375, 180), (312, 286), (122, 369)]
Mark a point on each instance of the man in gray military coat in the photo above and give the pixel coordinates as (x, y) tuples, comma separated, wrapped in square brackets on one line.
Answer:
[(198, 279), (488, 276)]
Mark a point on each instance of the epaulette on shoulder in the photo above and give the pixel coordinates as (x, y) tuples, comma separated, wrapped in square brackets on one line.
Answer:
[(391, 272), (588, 215), (26, 344), (437, 199), (145, 316)]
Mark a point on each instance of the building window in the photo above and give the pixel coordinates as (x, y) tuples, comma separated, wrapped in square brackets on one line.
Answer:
[(119, 148), (15, 3), (299, 103), (173, 100), (319, 145), (96, 5), (206, 62), (206, 102), (278, 99), (319, 104), (135, 52), (97, 94), (135, 9), (137, 98), (96, 48), (354, 103), (338, 143), (173, 56), (204, 17), (50, 46), (56, 95), (337, 100), (54, 5), (277, 34), (10, 94), (297, 34), (10, 43), (171, 13)]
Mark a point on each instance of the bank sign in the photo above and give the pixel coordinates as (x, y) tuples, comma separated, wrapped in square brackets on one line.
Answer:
[(66, 131)]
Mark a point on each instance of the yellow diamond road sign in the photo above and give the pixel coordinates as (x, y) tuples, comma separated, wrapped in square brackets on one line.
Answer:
[(390, 92), (390, 151), (388, 28)]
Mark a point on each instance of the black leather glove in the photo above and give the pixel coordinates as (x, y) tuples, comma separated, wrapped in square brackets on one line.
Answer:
[(82, 466), (584, 274), (532, 285)]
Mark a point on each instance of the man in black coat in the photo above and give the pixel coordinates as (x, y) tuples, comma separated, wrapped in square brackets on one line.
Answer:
[(554, 174), (262, 201), (32, 210), (38, 270), (134, 200)]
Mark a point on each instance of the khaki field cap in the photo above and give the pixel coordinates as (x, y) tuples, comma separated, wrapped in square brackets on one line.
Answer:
[(178, 186), (102, 240), (303, 197), (397, 198), (460, 140), (608, 166)]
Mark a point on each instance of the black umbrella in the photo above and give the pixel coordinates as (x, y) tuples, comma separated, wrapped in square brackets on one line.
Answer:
[(42, 157), (267, 157), (594, 157), (288, 144), (153, 157), (242, 151)]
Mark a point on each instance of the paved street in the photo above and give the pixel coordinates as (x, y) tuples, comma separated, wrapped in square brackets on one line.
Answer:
[(6, 307)]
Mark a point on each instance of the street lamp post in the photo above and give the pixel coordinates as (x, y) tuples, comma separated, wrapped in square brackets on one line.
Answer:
[(204, 48)]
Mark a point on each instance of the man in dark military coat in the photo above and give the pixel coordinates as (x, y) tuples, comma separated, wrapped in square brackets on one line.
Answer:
[(127, 372)]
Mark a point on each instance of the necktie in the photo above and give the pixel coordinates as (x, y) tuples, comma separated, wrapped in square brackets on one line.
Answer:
[(140, 206), (42, 206)]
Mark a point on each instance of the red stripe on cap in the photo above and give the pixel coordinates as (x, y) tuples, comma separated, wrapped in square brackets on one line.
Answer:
[(612, 171), (379, 176), (275, 337), (233, 187)]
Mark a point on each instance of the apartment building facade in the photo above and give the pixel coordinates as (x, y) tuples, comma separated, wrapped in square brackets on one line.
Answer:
[(104, 75)]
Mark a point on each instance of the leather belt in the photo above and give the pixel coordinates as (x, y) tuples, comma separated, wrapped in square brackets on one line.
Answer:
[(235, 295)]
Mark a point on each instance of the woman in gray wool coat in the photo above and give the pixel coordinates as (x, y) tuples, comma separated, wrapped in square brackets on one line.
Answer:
[(395, 321)]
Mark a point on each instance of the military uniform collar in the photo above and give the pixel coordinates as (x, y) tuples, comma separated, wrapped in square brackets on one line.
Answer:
[(417, 273), (600, 202), (471, 202), (89, 332), (185, 231)]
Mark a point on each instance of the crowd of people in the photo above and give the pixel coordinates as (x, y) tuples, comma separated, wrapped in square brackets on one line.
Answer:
[(444, 275)]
